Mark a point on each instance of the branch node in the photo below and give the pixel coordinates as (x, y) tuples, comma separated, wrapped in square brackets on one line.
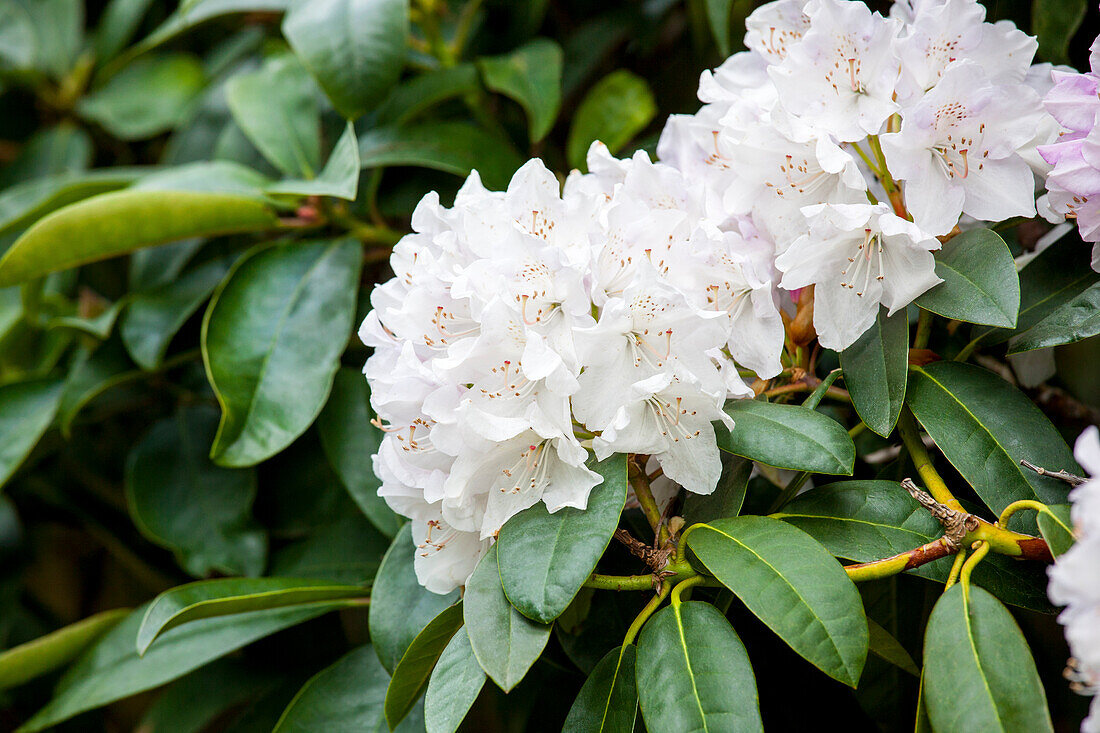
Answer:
[(955, 523), (1063, 475)]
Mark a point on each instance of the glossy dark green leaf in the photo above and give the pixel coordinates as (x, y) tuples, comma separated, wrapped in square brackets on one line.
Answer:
[(194, 13), (195, 703), (608, 700), (451, 147), (793, 585), (455, 684), (272, 339), (545, 558), (349, 441), (728, 496), (346, 551), (150, 268), (26, 202), (339, 178), (1074, 320), (228, 596), (1055, 22), (421, 92), (345, 697), (354, 48), (400, 607), (875, 371), (147, 97), (718, 16), (115, 223), (1057, 530), (215, 176), (54, 650), (693, 673), (505, 642), (788, 436), (531, 75), (411, 675), (111, 668), (979, 674), (92, 374), (883, 644), (616, 108), (26, 410), (985, 426), (980, 284), (183, 502)]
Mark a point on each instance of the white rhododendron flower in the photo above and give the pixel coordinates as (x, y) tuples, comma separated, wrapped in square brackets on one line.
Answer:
[(1075, 582)]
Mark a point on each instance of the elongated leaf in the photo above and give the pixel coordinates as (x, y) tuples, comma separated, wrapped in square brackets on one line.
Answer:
[(99, 326), (875, 371), (115, 223), (150, 268), (1055, 22), (111, 668), (400, 607), (339, 178), (421, 92), (23, 203), (793, 585), (984, 426), (54, 650), (788, 436), (505, 642), (147, 97), (531, 75), (272, 339), (51, 151), (193, 703), (884, 645), (545, 558), (413, 671), (117, 26), (979, 674), (718, 16), (226, 596), (455, 683), (26, 410), (92, 374), (1057, 530), (616, 108), (608, 701), (1074, 320), (693, 673), (728, 496), (192, 14), (980, 284), (347, 551)]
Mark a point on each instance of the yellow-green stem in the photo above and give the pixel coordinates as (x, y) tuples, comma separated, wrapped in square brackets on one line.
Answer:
[(1002, 521), (910, 436), (685, 585), (956, 568), (968, 567), (641, 618)]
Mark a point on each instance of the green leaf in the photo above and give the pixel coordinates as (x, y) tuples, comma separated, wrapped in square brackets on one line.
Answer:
[(401, 607), (115, 223), (221, 176), (608, 700), (51, 151), (117, 26), (411, 674), (451, 147), (111, 668), (339, 178), (277, 110), (344, 697), (92, 374), (1055, 22), (57, 29), (455, 684), (875, 371), (788, 436), (545, 558), (616, 108), (17, 43), (194, 703), (1075, 320), (349, 441), (272, 339), (99, 326), (147, 97), (24, 203), (347, 551), (979, 674), (980, 284), (883, 644), (192, 14), (354, 48), (153, 317), (728, 496), (409, 98), (181, 501), (718, 16), (54, 650), (985, 426), (26, 410), (531, 75), (1057, 530), (693, 673), (228, 596), (505, 642), (793, 585), (150, 268)]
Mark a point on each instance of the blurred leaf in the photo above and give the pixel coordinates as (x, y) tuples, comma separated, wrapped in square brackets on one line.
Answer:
[(416, 665), (23, 203), (608, 700), (401, 607), (192, 14), (1057, 530), (728, 496), (276, 108), (115, 223), (26, 410), (980, 284), (455, 684), (339, 178), (1072, 321), (1055, 22), (193, 703), (50, 151), (229, 596), (54, 650), (694, 674), (117, 26), (421, 92), (545, 558), (718, 15), (347, 551), (531, 75), (99, 326), (354, 48), (92, 374), (345, 696), (272, 339), (181, 501), (979, 674), (147, 97), (56, 35), (17, 42), (793, 585), (220, 176), (349, 441), (156, 266), (616, 109), (451, 147), (883, 644), (788, 436), (875, 371)]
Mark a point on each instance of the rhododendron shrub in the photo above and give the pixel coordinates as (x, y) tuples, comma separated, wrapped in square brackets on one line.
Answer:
[(432, 366)]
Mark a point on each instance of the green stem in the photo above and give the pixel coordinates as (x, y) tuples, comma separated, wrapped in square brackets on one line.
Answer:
[(463, 27), (1002, 521), (619, 582), (969, 348), (924, 330), (956, 567), (789, 491), (685, 585), (910, 436), (641, 618), (968, 567)]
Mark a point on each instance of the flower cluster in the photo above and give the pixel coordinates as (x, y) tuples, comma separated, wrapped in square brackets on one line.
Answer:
[(1075, 584)]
